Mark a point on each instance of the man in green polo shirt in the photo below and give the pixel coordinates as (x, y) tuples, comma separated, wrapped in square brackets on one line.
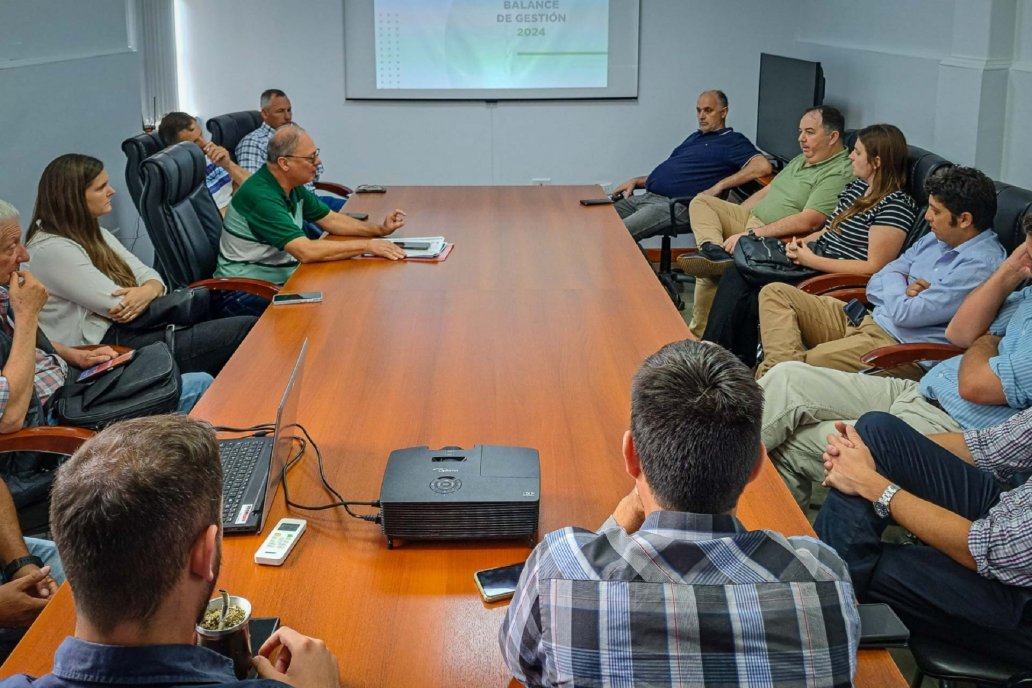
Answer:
[(796, 203), (262, 236)]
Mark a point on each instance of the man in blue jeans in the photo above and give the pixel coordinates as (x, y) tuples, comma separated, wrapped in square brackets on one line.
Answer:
[(970, 580)]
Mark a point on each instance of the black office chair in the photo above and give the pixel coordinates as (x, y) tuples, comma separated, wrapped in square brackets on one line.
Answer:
[(227, 130), (185, 224), (137, 149), (946, 663)]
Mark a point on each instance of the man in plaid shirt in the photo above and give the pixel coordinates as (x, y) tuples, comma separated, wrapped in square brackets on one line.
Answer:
[(970, 583), (673, 590), (29, 375)]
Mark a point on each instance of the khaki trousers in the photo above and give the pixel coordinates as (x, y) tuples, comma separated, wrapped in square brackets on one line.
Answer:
[(801, 404), (796, 326), (713, 220)]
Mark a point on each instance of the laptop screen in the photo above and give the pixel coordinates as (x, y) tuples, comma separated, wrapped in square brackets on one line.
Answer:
[(283, 444)]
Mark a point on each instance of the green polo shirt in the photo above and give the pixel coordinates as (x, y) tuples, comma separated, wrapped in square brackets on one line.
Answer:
[(261, 220), (800, 186)]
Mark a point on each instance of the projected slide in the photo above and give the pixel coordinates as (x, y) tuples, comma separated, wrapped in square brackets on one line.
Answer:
[(491, 44)]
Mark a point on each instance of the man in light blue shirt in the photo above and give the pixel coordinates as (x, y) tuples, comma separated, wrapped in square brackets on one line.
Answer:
[(985, 386), (914, 296)]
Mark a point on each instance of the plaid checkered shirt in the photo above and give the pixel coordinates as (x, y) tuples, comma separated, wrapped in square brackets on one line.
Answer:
[(1001, 541), (51, 370), (688, 600), (253, 151)]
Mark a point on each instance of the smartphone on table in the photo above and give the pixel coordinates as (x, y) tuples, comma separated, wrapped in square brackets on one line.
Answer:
[(300, 297), (498, 583)]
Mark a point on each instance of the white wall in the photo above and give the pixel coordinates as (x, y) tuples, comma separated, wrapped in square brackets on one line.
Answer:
[(70, 84), (955, 75), (684, 50)]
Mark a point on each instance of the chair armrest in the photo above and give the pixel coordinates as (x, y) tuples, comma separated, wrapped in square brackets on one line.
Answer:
[(847, 295), (119, 349), (58, 439), (338, 189), (261, 288), (898, 354), (821, 284)]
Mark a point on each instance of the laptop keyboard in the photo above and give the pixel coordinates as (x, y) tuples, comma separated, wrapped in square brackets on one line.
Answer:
[(239, 457)]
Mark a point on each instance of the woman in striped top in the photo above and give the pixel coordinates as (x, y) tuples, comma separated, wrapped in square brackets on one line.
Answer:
[(866, 231)]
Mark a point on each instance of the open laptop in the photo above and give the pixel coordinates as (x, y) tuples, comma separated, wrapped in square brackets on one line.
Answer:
[(251, 466)]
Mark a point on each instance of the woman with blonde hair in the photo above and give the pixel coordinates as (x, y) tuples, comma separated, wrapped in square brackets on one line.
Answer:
[(97, 287)]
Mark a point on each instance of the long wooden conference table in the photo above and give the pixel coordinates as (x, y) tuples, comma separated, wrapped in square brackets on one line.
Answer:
[(527, 335)]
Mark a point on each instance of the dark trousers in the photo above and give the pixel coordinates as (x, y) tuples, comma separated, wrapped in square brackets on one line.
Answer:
[(933, 595), (201, 348), (234, 303)]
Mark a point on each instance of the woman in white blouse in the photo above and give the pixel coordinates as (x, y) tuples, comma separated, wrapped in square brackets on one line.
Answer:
[(96, 285)]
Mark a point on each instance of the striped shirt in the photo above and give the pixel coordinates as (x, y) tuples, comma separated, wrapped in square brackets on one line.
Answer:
[(219, 183), (1001, 541), (253, 152), (849, 240), (689, 600), (1012, 364)]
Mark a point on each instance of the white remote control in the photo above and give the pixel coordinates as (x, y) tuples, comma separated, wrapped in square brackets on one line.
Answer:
[(281, 540)]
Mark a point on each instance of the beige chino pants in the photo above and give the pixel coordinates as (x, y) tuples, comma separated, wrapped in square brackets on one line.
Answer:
[(796, 326), (713, 220)]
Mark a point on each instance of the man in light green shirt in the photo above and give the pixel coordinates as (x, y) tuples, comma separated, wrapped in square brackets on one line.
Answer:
[(797, 202)]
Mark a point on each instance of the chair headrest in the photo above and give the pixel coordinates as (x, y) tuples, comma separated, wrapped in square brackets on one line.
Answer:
[(227, 130), (922, 164), (137, 149), (177, 171), (1013, 203)]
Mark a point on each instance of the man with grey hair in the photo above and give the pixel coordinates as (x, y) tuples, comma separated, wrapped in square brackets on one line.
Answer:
[(262, 237), (252, 151), (673, 585), (710, 161)]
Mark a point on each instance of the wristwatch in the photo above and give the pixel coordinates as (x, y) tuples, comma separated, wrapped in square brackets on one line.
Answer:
[(12, 568), (881, 507)]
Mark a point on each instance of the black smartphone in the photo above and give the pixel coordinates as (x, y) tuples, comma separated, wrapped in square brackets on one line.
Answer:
[(597, 201), (413, 245), (261, 628), (358, 216), (880, 627), (855, 311), (498, 583)]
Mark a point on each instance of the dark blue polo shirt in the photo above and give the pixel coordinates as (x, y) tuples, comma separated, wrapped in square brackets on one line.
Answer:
[(700, 162)]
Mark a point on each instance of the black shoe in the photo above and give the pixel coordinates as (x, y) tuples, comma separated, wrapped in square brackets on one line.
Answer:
[(710, 261)]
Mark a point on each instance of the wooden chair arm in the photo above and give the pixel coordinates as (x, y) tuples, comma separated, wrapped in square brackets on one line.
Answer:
[(898, 354), (58, 439), (847, 295), (337, 189), (821, 284), (119, 349), (261, 288)]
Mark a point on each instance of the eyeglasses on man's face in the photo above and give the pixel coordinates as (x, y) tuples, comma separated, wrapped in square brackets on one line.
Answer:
[(310, 158)]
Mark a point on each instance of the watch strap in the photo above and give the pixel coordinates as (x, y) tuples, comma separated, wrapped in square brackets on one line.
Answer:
[(881, 507), (12, 567)]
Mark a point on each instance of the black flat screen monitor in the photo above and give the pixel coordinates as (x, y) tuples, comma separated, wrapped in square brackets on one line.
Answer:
[(787, 87)]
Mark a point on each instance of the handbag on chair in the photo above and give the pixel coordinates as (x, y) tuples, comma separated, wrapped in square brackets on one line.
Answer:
[(762, 260), (182, 307)]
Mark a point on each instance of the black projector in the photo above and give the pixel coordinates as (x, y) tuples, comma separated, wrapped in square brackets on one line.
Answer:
[(487, 492)]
